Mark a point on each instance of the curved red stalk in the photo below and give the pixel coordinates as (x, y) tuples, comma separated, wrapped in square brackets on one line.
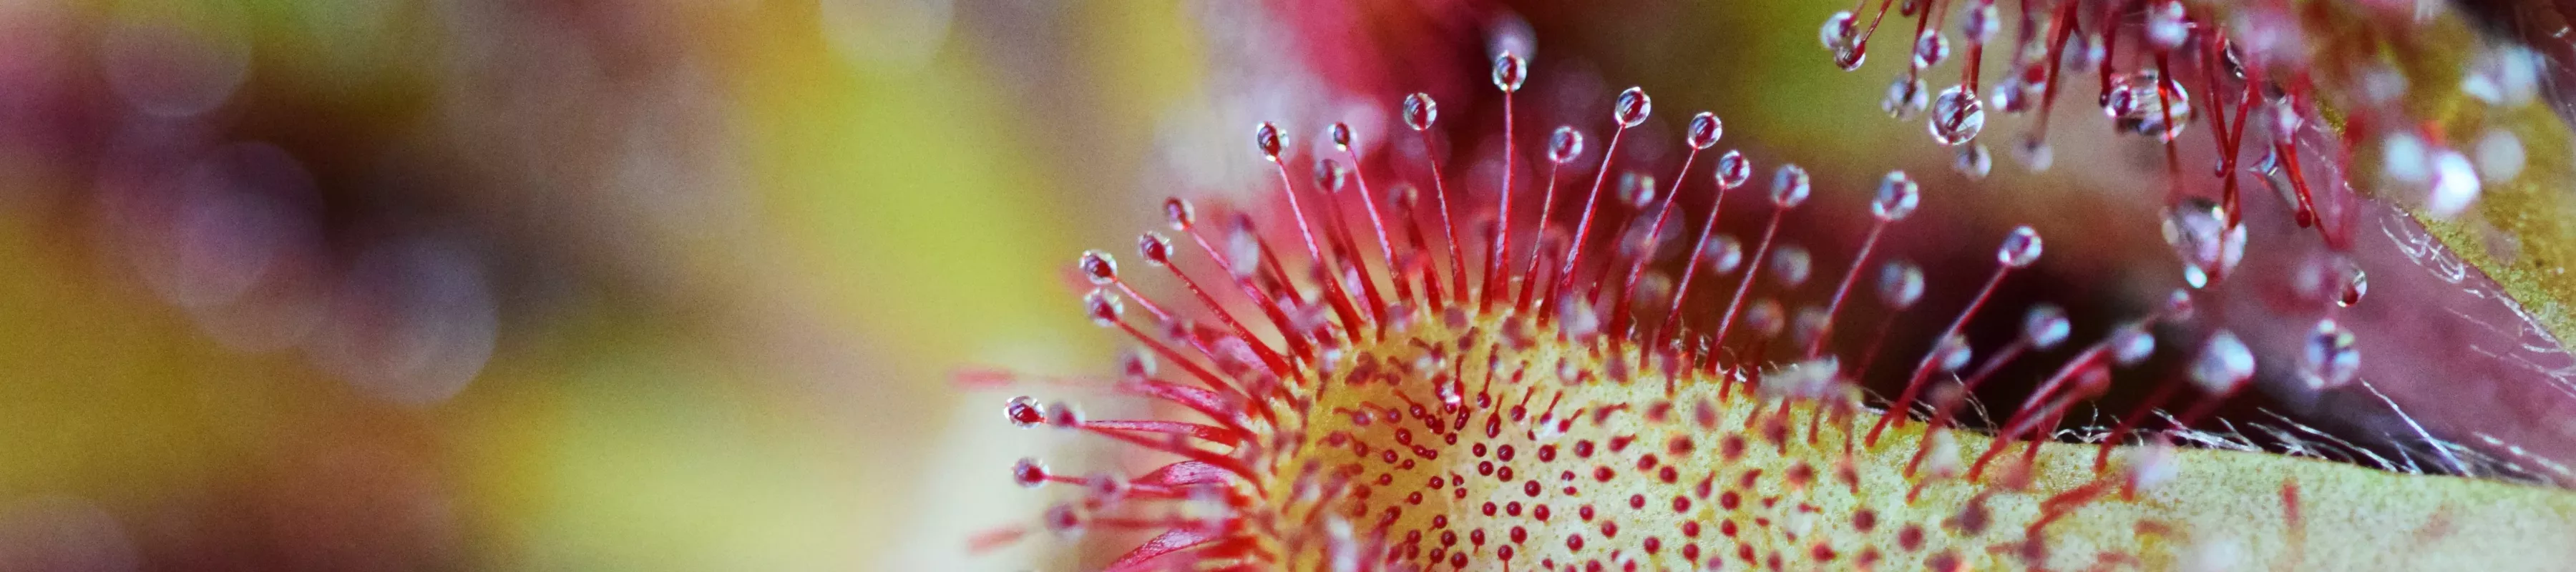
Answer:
[(1574, 256)]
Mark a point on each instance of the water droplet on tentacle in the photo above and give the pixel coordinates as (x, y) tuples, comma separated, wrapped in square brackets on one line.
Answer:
[(1268, 140), (2045, 326), (2224, 364), (1900, 284), (1509, 71), (1952, 353), (1636, 189), (1725, 253), (1065, 521), (1733, 170), (1789, 186), (2132, 343), (1023, 412), (2166, 28), (1331, 176), (1633, 107), (2034, 153), (1957, 116), (2200, 233), (1930, 49), (2020, 249), (1156, 249), (1029, 473), (1564, 145), (1840, 30), (1103, 307), (1765, 318), (2454, 184), (1791, 265), (1099, 267), (1180, 214), (2136, 107), (2328, 360), (1898, 195), (2355, 283), (1420, 111), (1980, 23), (1973, 161), (1905, 97), (1841, 35), (1705, 129), (2084, 52)]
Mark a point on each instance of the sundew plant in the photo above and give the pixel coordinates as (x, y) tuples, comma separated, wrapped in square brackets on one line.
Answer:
[(1692, 361)]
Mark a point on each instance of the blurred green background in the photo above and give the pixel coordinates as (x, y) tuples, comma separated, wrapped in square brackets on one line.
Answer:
[(645, 285)]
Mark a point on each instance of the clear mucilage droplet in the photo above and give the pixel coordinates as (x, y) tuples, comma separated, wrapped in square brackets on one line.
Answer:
[(1023, 412), (1331, 176), (1733, 170), (1930, 49), (1725, 253), (1808, 325), (1973, 160), (2454, 185), (1420, 111), (2202, 237), (1509, 71), (2179, 305), (1098, 266), (1789, 186), (1850, 58), (1980, 23), (2034, 153), (1905, 97), (1064, 520), (1841, 29), (2284, 112), (2022, 92), (2355, 283), (1705, 129), (2328, 360), (1952, 353), (2269, 170), (1765, 318), (1791, 265), (1267, 139), (1565, 145), (2131, 343), (2045, 326), (1156, 248), (1029, 473), (2011, 96), (1636, 189), (2020, 249), (2166, 28), (1179, 213), (1103, 307), (1898, 195), (1957, 116), (2084, 52), (1841, 35), (1633, 107), (2136, 107), (1900, 284), (2224, 364)]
